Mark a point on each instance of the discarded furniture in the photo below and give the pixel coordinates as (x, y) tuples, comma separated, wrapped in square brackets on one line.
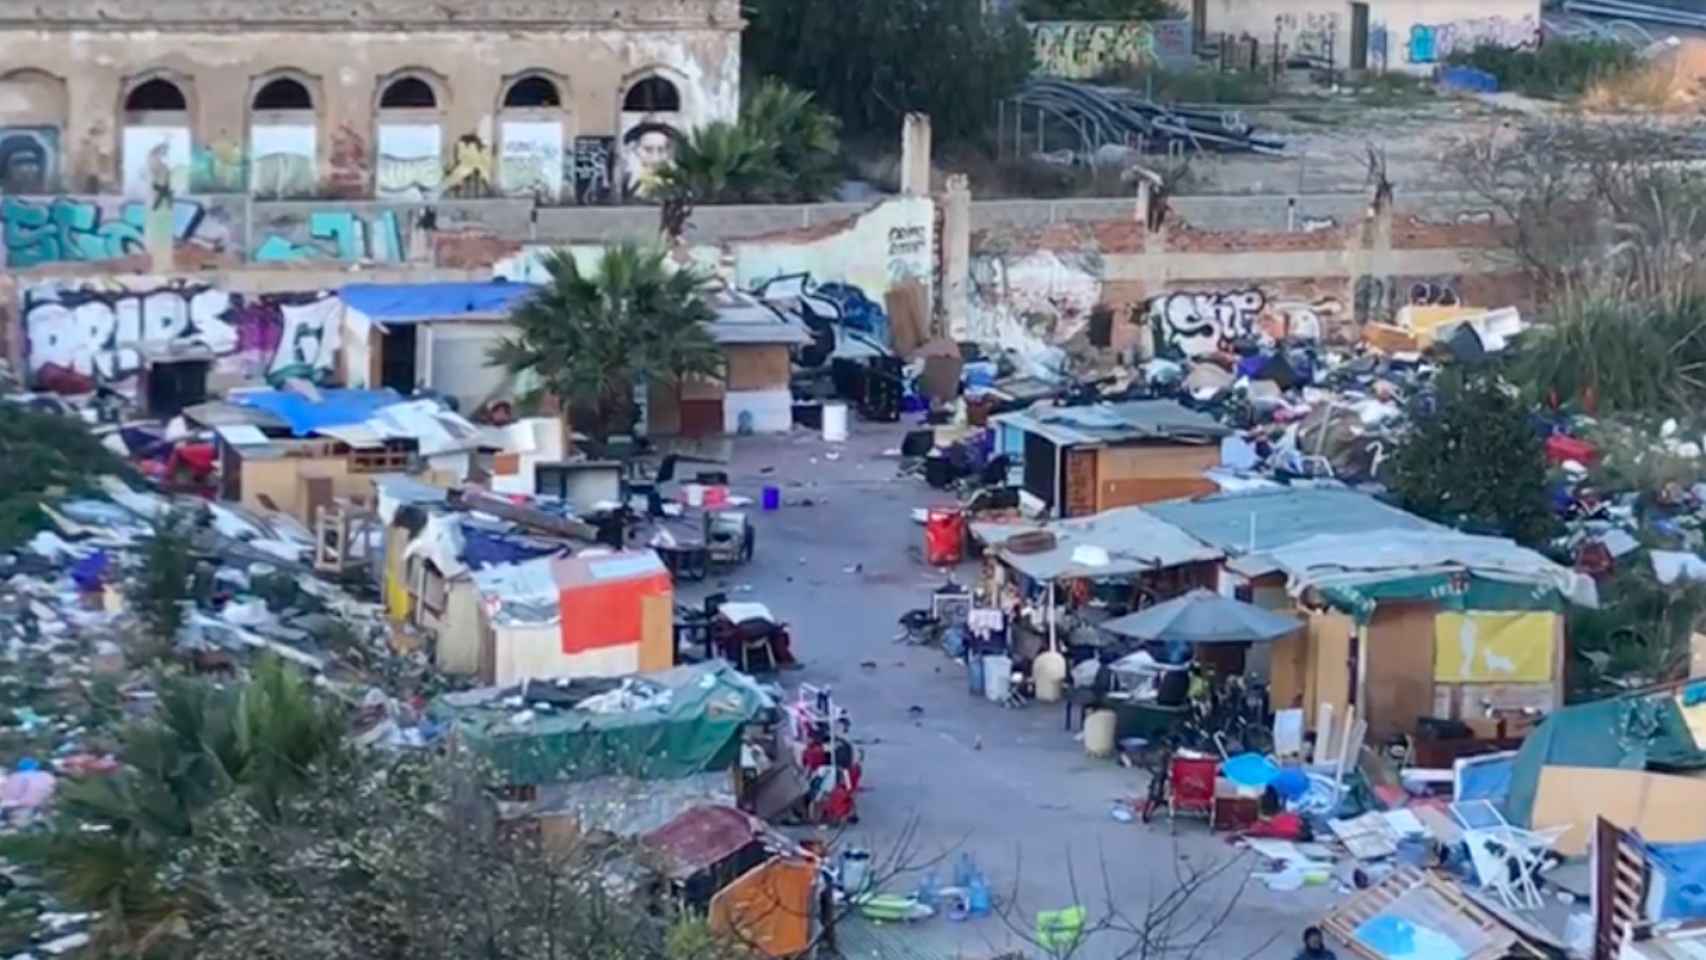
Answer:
[(1422, 907), (729, 538), (1190, 787)]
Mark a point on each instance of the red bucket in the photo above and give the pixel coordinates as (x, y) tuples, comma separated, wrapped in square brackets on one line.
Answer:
[(944, 537)]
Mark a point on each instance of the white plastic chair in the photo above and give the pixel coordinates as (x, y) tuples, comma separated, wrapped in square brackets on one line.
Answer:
[(1506, 858)]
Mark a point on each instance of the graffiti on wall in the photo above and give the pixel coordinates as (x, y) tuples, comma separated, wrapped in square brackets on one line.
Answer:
[(68, 230), (1031, 301), (892, 242), (349, 164), (532, 164), (591, 168), (1378, 44), (1308, 36), (1198, 323), (381, 236), (647, 148), (104, 330), (1083, 49), (470, 174), (1378, 299), (29, 160), (828, 311), (1433, 42), (157, 160), (284, 159), (409, 164)]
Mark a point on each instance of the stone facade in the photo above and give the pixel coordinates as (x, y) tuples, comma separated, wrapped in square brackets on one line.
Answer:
[(560, 100)]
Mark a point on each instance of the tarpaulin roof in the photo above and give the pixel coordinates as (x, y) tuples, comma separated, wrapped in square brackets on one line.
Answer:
[(1266, 519), (1365, 566), (1635, 732), (332, 408), (691, 726), (1133, 541), (404, 302)]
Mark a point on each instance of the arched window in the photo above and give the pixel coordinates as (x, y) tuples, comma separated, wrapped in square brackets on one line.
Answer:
[(533, 92), (408, 93), (652, 95), (156, 96), (284, 94)]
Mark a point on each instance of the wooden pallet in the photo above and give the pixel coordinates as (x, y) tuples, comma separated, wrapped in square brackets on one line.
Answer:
[(1427, 899)]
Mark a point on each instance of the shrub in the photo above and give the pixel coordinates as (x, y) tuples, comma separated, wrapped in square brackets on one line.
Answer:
[(1560, 68)]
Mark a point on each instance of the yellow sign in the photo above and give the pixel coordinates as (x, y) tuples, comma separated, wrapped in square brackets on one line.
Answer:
[(1482, 647)]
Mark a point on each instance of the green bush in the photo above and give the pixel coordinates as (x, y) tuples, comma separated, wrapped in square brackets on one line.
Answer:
[(42, 454), (1558, 68), (1610, 354)]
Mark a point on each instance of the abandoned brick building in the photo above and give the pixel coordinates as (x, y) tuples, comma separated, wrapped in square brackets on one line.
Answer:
[(564, 100)]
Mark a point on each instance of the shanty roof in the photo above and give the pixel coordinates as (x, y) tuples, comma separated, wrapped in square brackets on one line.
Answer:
[(744, 319), (411, 302), (1263, 520), (1125, 422), (306, 414), (1132, 540), (703, 837)]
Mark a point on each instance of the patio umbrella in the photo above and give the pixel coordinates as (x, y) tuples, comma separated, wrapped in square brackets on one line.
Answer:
[(1203, 616)]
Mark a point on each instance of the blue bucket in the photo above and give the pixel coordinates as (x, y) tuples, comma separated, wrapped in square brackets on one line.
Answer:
[(772, 498)]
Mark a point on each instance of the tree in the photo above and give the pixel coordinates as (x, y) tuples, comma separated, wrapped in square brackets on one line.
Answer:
[(806, 139), (115, 836), (947, 58), (591, 337), (158, 593), (1474, 461)]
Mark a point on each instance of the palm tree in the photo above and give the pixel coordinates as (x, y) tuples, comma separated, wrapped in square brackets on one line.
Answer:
[(592, 337), (807, 140)]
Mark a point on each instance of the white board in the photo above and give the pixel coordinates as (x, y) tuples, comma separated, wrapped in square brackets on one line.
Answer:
[(146, 149)]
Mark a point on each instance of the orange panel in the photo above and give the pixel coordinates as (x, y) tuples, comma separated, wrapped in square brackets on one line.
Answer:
[(770, 908), (602, 615)]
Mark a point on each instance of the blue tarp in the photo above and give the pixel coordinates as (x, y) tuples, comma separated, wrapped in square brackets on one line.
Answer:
[(1683, 866), (404, 302), (481, 549), (335, 409)]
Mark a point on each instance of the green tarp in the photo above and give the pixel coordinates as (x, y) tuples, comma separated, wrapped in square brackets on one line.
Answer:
[(1643, 731), (695, 730), (1452, 591)]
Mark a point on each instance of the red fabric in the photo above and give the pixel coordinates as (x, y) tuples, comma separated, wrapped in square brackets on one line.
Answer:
[(1560, 448), (944, 537), (814, 756), (838, 806), (55, 378), (602, 615)]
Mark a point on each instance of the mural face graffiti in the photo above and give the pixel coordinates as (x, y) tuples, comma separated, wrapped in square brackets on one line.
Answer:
[(349, 164), (471, 169), (81, 231), (532, 163), (592, 169), (1431, 43), (101, 331), (29, 160), (646, 149), (1081, 50)]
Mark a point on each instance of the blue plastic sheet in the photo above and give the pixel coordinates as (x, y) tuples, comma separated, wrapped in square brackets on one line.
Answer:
[(1399, 939), (1487, 780), (336, 408), (402, 302), (1683, 866), (1250, 770)]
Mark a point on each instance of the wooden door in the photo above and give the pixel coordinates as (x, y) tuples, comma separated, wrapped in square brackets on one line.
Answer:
[(1080, 482), (1359, 36), (1399, 677)]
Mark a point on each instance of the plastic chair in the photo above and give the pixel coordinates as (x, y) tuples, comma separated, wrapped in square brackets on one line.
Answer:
[(1191, 786)]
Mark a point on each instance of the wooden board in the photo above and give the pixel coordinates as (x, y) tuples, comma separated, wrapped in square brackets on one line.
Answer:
[(758, 366), (1399, 677), (1328, 676), (1445, 906), (1080, 470), (657, 632), (1663, 808)]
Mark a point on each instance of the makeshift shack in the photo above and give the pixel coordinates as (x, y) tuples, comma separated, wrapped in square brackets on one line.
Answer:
[(753, 396), (1637, 761), (598, 614), (409, 336), (707, 848), (669, 725), (1446, 625), (1069, 575), (1082, 460)]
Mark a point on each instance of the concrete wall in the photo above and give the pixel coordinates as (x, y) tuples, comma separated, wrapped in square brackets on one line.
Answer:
[(1085, 49), (220, 55), (1408, 35)]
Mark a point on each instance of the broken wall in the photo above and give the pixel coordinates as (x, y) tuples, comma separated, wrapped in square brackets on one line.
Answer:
[(1413, 36)]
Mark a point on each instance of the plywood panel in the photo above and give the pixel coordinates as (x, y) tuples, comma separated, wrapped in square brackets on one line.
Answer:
[(763, 366), (1399, 674), (1328, 676), (1135, 492), (1661, 807), (1287, 669), (1080, 498), (657, 632), (1157, 460)]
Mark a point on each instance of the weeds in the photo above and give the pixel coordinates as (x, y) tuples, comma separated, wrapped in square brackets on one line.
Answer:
[(1559, 69), (42, 455)]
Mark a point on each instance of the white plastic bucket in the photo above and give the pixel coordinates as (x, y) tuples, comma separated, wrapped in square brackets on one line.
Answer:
[(835, 422), (997, 678), (695, 494), (1100, 728)]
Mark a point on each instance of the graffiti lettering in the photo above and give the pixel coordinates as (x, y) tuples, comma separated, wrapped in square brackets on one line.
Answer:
[(1311, 36), (906, 240), (339, 235), (1199, 323), (1081, 50), (1378, 298), (591, 169), (1430, 293), (828, 311), (76, 230), (1431, 43), (105, 332)]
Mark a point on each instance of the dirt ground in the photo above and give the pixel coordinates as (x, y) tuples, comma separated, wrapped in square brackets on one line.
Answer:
[(959, 773)]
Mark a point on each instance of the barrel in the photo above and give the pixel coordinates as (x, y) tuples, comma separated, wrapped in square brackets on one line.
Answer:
[(1048, 672), (997, 678), (835, 422), (1099, 730), (772, 498)]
